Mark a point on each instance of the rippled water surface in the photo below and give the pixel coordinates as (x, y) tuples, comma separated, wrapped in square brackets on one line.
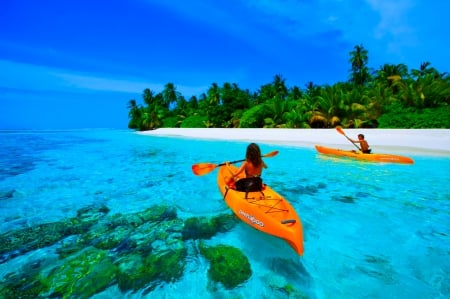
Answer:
[(371, 230)]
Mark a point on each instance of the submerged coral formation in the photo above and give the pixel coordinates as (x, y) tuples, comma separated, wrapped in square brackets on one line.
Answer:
[(228, 265), (94, 250)]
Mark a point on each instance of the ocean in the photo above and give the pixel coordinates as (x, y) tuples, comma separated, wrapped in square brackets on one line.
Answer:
[(73, 203)]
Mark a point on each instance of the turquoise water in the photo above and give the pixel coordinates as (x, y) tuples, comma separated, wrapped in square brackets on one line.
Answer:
[(371, 230)]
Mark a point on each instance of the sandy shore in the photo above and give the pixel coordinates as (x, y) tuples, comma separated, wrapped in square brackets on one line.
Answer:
[(429, 141)]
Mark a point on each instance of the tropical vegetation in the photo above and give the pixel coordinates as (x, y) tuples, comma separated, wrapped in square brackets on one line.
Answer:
[(389, 97)]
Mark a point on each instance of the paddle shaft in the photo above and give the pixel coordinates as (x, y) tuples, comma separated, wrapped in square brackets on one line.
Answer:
[(271, 154), (343, 133), (204, 168), (353, 143), (233, 162)]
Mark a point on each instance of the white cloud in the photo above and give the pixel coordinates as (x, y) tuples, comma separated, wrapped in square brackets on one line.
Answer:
[(393, 15), (90, 82), (41, 78)]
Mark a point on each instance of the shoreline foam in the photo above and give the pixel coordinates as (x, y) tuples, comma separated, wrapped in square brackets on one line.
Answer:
[(422, 141)]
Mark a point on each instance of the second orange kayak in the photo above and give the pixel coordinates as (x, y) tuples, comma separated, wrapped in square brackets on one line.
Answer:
[(386, 158)]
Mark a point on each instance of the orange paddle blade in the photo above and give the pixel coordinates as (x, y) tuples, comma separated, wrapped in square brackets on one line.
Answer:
[(203, 168), (339, 129), (271, 154)]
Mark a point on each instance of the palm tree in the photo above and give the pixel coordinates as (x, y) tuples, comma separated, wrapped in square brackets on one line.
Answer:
[(170, 95), (331, 106), (134, 114), (390, 73), (424, 70), (147, 95), (279, 87), (360, 72), (265, 93), (132, 106), (214, 94), (193, 103), (276, 109)]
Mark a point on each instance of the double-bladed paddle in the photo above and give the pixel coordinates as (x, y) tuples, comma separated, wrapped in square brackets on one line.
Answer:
[(339, 129), (205, 168)]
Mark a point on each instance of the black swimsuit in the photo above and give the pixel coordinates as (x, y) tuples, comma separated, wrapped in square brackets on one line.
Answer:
[(249, 183)]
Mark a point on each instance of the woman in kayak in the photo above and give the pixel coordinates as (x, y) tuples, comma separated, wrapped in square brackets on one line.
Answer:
[(252, 167), (364, 145)]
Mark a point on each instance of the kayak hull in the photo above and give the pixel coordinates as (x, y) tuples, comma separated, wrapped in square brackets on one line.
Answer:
[(265, 210), (384, 158)]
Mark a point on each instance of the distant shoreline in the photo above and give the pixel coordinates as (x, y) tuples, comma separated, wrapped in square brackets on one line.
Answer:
[(421, 141)]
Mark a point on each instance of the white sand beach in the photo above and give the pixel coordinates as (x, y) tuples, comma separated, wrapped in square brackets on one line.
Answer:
[(427, 141)]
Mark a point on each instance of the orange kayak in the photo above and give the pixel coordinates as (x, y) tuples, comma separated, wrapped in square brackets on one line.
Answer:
[(387, 158), (264, 210)]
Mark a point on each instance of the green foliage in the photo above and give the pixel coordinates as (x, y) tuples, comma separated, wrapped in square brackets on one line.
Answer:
[(194, 121), (391, 96), (416, 118), (171, 122), (254, 117)]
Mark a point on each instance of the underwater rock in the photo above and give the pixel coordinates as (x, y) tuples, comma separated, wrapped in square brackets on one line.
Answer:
[(136, 272), (129, 220), (113, 239), (225, 222), (206, 228), (81, 275), (24, 240), (228, 265), (17, 165), (92, 213), (198, 228), (310, 190), (282, 287), (126, 233), (158, 213), (95, 231), (378, 267), (362, 195), (166, 234), (295, 271), (344, 198), (126, 246), (321, 185), (96, 250), (25, 285), (6, 194)]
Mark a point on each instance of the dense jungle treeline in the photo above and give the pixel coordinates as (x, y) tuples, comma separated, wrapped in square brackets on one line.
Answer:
[(389, 97)]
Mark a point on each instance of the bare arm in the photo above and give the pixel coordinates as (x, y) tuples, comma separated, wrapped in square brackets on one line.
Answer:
[(238, 172)]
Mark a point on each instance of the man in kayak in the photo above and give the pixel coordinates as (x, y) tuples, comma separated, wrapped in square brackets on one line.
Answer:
[(364, 145), (252, 167)]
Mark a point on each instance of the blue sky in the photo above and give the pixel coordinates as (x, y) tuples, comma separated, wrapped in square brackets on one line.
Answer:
[(76, 64)]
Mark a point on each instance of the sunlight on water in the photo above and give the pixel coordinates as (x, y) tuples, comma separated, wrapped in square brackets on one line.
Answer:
[(371, 230)]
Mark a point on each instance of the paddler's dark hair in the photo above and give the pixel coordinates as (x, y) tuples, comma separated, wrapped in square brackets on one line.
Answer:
[(254, 154)]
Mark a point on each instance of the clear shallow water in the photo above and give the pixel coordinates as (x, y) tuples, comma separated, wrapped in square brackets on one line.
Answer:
[(371, 230)]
